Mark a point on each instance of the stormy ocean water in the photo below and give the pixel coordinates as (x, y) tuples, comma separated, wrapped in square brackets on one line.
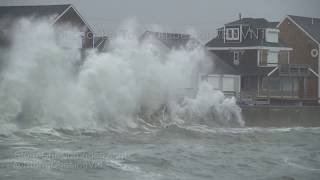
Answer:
[(121, 115), (171, 153)]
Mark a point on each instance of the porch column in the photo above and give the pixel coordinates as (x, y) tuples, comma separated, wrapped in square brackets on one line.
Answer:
[(319, 73)]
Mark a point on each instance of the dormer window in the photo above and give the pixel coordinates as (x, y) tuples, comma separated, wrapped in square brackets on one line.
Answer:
[(272, 35), (233, 34), (220, 34)]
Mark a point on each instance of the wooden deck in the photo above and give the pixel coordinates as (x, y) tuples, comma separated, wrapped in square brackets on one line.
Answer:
[(255, 99)]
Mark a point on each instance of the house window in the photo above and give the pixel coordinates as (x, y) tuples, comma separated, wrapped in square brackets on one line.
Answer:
[(272, 35), (236, 58), (284, 86), (220, 34), (273, 57), (236, 33), (233, 34), (230, 34), (271, 84)]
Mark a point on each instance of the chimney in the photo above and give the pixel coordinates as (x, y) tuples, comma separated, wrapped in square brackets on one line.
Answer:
[(312, 21), (240, 16)]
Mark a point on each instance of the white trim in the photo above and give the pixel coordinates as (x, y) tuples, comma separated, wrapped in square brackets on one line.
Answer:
[(100, 43), (241, 33), (258, 57), (223, 75), (93, 40), (274, 70), (259, 64), (319, 77), (258, 78), (301, 28), (270, 33), (236, 85), (251, 48), (282, 20), (314, 53), (214, 75), (268, 65), (64, 12), (85, 22), (239, 85), (224, 33), (275, 30), (276, 53), (78, 13), (233, 30), (316, 74)]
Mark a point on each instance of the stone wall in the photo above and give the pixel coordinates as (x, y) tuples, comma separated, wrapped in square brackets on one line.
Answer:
[(273, 116)]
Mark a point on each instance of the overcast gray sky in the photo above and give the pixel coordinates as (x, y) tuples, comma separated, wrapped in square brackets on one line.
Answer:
[(205, 16)]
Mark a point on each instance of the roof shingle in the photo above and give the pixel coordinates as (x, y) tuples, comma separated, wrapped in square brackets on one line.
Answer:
[(254, 22), (22, 11), (172, 40), (310, 25)]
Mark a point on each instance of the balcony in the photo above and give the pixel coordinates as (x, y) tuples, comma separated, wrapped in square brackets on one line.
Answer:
[(298, 70)]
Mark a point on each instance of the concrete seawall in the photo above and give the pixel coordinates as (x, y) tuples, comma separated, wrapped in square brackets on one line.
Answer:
[(279, 116)]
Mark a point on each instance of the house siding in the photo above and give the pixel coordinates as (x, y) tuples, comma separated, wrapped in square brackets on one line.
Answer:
[(248, 58), (248, 62), (267, 66), (300, 42), (284, 57), (302, 45)]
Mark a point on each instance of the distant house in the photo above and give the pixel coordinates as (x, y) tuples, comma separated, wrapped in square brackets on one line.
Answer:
[(62, 14), (303, 35), (252, 46), (222, 76), (168, 41)]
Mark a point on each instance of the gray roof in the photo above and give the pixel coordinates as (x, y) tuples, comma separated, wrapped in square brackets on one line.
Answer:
[(8, 14), (220, 66), (254, 22), (22, 11), (310, 25), (171, 40)]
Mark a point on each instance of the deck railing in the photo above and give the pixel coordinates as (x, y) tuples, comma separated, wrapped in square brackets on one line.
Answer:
[(255, 98), (294, 70)]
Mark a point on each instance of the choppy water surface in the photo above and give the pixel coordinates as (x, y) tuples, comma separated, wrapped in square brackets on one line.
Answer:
[(193, 152)]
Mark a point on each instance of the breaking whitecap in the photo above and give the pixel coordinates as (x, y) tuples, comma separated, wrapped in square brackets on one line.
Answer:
[(134, 85)]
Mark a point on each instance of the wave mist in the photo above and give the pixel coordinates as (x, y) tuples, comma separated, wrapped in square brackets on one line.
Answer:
[(44, 83)]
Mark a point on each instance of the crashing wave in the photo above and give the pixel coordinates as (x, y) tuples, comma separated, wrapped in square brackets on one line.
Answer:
[(135, 85)]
